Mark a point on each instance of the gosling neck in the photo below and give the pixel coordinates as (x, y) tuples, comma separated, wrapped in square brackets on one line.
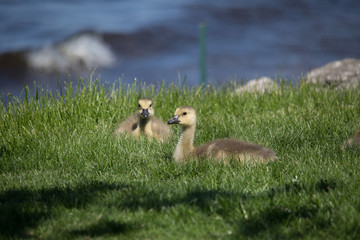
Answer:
[(185, 145), (145, 125)]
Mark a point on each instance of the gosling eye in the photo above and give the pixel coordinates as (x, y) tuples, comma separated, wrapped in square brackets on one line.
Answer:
[(184, 113), (150, 105), (139, 106)]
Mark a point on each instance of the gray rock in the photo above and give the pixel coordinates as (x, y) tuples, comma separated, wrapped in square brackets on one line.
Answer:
[(261, 85), (340, 74)]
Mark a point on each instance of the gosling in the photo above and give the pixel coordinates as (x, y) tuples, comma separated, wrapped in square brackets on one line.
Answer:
[(218, 150), (144, 123), (353, 141)]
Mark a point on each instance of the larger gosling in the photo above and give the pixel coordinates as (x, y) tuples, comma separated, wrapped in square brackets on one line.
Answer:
[(143, 122), (220, 149)]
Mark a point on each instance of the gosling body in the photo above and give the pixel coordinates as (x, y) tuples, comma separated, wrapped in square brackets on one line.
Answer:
[(144, 123), (220, 149)]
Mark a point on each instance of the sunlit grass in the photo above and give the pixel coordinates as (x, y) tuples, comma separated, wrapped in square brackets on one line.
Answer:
[(64, 175)]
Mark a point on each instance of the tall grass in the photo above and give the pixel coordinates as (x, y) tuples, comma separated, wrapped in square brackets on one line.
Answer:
[(64, 175)]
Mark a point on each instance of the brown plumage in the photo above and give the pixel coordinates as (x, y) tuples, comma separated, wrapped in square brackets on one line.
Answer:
[(143, 122), (353, 141), (220, 149)]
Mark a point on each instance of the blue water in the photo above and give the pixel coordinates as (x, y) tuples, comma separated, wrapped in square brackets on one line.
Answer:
[(155, 40), (37, 23)]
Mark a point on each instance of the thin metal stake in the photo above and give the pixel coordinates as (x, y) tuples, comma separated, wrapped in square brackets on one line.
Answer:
[(202, 59)]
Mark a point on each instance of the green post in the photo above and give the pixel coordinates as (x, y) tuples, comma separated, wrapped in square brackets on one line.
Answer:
[(202, 59)]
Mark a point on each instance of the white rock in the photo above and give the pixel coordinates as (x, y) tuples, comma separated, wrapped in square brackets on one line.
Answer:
[(341, 74), (261, 85)]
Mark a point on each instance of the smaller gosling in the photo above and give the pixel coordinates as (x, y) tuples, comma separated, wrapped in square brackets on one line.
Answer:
[(353, 141), (143, 122), (220, 149)]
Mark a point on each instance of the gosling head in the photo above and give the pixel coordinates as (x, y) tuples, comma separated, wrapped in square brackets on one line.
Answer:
[(184, 116), (145, 108)]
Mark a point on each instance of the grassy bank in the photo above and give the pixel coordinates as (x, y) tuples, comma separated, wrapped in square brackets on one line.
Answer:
[(63, 175)]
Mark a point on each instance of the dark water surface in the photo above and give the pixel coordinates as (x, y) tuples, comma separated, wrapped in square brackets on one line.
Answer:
[(155, 40)]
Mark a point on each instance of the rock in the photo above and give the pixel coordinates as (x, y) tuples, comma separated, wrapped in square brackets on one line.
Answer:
[(340, 74), (353, 141), (261, 85)]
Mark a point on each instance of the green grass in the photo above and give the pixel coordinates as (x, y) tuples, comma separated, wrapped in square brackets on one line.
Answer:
[(64, 176)]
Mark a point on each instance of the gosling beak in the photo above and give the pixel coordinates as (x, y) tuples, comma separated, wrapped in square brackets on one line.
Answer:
[(174, 120), (145, 113)]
